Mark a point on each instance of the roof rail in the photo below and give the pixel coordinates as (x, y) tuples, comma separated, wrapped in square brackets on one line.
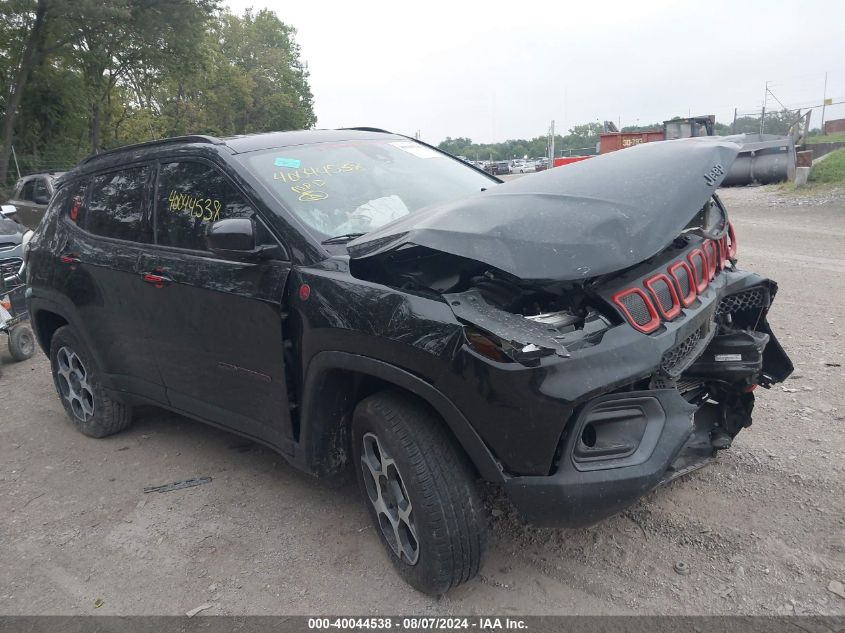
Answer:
[(190, 138), (364, 128)]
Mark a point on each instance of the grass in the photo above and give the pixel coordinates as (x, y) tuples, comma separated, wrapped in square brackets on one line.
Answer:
[(831, 170), (830, 138)]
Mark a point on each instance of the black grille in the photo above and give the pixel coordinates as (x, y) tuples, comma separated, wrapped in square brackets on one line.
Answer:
[(677, 359), (677, 354), (745, 300), (636, 307), (664, 295), (10, 266)]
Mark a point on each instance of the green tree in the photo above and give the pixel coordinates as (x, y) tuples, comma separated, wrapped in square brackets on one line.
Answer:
[(247, 77), (26, 27), (83, 75), (131, 43)]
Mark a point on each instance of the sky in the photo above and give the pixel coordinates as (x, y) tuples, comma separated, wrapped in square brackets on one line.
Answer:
[(492, 71)]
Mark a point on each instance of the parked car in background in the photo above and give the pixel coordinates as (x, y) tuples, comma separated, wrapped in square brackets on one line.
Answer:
[(541, 164), (13, 239), (31, 196), (500, 167), (523, 166)]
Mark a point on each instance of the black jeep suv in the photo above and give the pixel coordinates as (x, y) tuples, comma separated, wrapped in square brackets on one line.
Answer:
[(577, 336)]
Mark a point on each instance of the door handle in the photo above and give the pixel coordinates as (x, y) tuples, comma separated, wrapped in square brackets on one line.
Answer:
[(156, 280)]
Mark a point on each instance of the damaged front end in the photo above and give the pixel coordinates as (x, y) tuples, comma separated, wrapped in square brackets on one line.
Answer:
[(610, 342)]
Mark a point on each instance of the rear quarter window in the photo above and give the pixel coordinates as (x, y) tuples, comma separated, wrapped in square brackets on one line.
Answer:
[(69, 201)]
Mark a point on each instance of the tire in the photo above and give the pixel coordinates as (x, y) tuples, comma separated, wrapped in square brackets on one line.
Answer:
[(80, 390), (422, 473), (21, 342)]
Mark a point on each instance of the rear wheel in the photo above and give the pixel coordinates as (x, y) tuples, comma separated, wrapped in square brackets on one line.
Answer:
[(80, 390), (21, 342), (420, 491)]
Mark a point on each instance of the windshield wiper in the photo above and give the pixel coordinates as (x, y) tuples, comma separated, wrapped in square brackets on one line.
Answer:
[(342, 239)]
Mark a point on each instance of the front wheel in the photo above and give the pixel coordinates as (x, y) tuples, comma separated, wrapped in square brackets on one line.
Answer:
[(420, 491)]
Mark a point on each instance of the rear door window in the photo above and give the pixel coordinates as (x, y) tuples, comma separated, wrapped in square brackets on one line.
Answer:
[(41, 190), (28, 191), (190, 196), (116, 205)]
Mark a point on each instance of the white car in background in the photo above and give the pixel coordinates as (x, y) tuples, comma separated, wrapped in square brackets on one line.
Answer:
[(523, 166)]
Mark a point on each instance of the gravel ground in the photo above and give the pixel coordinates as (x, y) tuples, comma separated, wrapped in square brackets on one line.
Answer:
[(762, 531)]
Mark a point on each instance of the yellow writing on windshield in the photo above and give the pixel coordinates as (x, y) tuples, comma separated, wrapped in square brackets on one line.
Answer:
[(306, 173), (308, 191), (205, 209)]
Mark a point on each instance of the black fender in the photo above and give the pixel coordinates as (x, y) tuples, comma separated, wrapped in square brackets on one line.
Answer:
[(327, 405), (61, 307)]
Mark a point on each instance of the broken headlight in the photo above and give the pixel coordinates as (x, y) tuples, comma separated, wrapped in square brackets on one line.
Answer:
[(573, 333)]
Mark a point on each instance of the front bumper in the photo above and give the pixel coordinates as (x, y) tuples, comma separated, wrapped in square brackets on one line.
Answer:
[(620, 445), (668, 437)]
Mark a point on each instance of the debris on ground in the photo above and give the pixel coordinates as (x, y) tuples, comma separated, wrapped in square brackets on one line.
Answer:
[(178, 485), (837, 588), (196, 610)]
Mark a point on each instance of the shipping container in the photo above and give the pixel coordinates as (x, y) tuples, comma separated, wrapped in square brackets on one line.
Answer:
[(568, 160), (612, 141)]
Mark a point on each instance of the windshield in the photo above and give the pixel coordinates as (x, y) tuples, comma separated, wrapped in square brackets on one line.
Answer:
[(353, 187)]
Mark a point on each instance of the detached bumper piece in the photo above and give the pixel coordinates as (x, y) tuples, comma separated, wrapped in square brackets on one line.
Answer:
[(732, 356)]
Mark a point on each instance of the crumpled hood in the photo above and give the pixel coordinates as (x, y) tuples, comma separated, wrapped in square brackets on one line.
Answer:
[(570, 223)]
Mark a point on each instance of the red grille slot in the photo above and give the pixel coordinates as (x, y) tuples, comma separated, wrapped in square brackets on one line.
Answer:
[(681, 273), (723, 251), (712, 252), (665, 296), (698, 264), (638, 309)]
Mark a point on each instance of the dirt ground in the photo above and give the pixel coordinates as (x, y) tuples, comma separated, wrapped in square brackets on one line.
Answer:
[(762, 531)]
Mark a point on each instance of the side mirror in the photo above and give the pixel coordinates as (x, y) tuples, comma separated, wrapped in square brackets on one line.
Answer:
[(234, 238), (42, 200)]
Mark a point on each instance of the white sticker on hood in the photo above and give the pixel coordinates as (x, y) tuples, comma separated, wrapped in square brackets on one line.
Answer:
[(420, 151)]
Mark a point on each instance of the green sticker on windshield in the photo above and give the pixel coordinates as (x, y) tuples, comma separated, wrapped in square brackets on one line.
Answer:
[(292, 163)]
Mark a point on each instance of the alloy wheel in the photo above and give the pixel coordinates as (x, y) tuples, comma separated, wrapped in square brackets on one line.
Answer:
[(74, 385), (387, 492)]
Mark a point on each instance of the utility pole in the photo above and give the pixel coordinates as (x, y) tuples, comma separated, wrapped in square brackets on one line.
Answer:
[(552, 145), (763, 114), (824, 101), (17, 167), (733, 125)]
